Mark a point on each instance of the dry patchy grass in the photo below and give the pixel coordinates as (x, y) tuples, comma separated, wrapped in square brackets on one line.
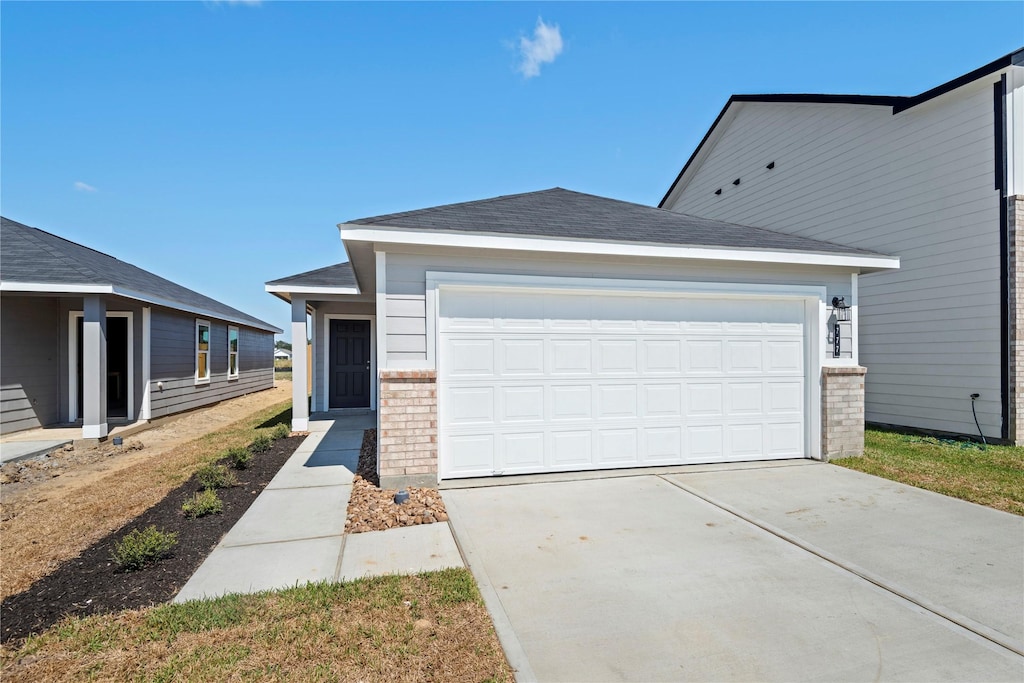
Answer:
[(432, 626), (993, 476), (41, 531)]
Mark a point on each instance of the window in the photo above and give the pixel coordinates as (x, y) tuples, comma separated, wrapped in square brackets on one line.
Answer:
[(232, 353), (202, 352)]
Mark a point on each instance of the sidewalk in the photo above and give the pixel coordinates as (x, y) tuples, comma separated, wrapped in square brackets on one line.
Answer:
[(293, 533)]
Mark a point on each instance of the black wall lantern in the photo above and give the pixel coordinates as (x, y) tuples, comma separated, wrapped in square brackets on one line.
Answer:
[(841, 308), (842, 329)]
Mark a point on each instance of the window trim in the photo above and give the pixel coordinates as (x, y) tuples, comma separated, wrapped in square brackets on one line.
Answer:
[(195, 339), (238, 339)]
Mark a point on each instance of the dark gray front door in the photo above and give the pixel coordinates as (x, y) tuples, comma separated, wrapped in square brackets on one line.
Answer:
[(349, 371)]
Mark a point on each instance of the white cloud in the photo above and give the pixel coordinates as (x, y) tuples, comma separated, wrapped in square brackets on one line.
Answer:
[(545, 45), (84, 187)]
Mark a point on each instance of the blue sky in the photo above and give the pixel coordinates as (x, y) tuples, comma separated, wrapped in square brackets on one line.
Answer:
[(219, 144)]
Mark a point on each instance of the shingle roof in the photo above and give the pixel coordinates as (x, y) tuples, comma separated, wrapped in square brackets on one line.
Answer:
[(572, 215), (30, 255), (338, 275)]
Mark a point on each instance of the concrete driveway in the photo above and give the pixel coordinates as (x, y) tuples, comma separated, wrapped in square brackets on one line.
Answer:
[(792, 572)]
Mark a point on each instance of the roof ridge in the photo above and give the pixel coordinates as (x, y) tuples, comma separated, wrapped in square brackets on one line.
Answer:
[(402, 214)]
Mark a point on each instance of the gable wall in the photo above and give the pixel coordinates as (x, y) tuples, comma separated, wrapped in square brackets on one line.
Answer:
[(918, 185)]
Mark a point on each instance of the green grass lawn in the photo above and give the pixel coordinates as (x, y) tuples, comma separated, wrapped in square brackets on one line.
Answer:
[(992, 475), (428, 627), (283, 368)]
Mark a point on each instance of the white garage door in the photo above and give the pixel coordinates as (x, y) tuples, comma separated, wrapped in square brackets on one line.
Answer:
[(550, 382)]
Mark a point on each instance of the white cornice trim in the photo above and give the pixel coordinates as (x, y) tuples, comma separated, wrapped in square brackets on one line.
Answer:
[(359, 233), (54, 288), (311, 289)]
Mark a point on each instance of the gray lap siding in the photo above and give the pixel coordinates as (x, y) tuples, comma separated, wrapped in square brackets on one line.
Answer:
[(30, 353), (173, 362)]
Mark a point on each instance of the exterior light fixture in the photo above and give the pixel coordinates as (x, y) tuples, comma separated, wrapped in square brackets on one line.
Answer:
[(841, 308)]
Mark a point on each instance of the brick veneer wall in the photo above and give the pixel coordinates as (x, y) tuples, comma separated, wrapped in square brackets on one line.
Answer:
[(1015, 225), (842, 412), (407, 443)]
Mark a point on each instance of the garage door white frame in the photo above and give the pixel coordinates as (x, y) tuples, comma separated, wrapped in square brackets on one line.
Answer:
[(812, 297)]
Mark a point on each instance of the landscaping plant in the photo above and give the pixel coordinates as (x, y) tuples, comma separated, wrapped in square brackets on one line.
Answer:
[(281, 431), (212, 476), (140, 547), (261, 443), (202, 503), (240, 457)]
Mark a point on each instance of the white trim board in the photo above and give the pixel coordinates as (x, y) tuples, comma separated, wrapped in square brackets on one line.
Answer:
[(310, 289), (73, 361), (524, 243)]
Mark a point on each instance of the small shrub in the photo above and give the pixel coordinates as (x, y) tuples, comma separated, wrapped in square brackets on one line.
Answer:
[(203, 503), (215, 477), (281, 431), (240, 457), (261, 443), (140, 547)]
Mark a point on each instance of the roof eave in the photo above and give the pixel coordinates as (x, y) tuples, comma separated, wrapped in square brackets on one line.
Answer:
[(388, 235), (60, 288)]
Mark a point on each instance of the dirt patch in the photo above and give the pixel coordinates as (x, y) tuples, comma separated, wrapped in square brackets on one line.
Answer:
[(92, 584), (48, 521), (23, 474), (371, 508)]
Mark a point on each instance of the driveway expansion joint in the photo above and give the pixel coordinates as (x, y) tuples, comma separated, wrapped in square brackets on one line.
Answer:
[(946, 614)]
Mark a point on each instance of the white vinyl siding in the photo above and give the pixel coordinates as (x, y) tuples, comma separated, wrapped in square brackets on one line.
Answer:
[(918, 185)]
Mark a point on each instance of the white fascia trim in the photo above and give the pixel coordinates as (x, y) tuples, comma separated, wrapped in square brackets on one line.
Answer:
[(477, 241), (309, 289), (128, 294)]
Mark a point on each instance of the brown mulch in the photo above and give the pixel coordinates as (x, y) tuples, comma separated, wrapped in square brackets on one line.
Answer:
[(92, 584), (374, 509)]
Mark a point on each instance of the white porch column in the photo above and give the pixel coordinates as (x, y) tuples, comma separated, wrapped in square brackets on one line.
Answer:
[(300, 389), (94, 368), (146, 410)]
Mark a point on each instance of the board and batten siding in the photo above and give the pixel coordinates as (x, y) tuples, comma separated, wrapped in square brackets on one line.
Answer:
[(172, 353), (918, 185), (30, 352), (406, 281)]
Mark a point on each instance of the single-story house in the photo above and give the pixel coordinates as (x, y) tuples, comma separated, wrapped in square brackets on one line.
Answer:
[(936, 178), (86, 339), (557, 331), (282, 354)]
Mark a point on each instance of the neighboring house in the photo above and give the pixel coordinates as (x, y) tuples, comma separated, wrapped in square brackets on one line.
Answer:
[(936, 179), (282, 354), (555, 331), (88, 339)]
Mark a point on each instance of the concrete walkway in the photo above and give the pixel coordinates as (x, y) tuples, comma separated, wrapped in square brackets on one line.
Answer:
[(293, 533), (681, 577)]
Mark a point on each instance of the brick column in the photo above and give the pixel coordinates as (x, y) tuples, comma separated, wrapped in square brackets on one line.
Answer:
[(842, 412), (407, 443), (1015, 225)]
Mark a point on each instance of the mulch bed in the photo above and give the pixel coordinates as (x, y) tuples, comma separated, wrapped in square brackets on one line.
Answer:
[(92, 584), (371, 508)]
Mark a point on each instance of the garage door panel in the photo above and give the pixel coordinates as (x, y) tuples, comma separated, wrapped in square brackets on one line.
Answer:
[(704, 357), (570, 449), (662, 400), (469, 358), (522, 452), (663, 445), (661, 356), (617, 447), (570, 356), (521, 357), (470, 456), (522, 404), (571, 402), (615, 356), (616, 401), (567, 382), (469, 405), (704, 400)]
